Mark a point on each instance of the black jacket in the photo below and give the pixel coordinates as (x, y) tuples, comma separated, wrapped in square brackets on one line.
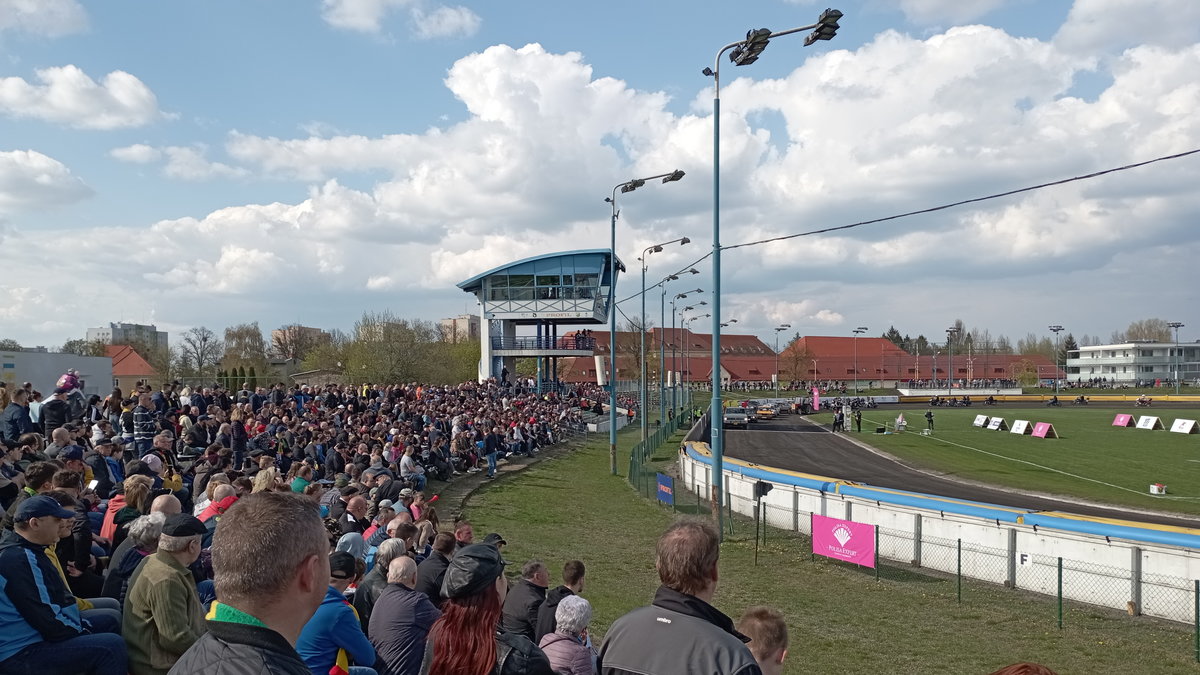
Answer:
[(399, 628), (521, 608), (515, 655), (237, 649), (545, 616), (100, 471), (430, 573), (15, 422), (367, 593), (677, 633), (54, 414)]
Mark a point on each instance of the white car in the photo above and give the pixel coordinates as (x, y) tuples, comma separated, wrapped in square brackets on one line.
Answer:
[(736, 417)]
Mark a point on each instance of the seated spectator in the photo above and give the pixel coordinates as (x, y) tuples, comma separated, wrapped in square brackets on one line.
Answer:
[(768, 635), (334, 635), (40, 624), (163, 616), (401, 620), (681, 614), (521, 606), (141, 542), (464, 534), (410, 470), (567, 647), (375, 580), (474, 590), (355, 518), (432, 571), (572, 584), (377, 532), (271, 564)]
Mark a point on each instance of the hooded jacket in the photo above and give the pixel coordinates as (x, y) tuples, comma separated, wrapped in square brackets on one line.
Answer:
[(334, 626), (35, 603), (546, 623)]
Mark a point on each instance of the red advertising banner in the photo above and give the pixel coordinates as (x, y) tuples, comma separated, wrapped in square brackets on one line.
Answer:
[(844, 540)]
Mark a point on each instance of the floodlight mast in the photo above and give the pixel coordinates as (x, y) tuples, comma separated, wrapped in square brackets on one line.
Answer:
[(747, 52)]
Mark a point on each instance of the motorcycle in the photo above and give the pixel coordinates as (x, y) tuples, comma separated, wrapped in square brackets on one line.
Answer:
[(1053, 402), (991, 400), (1081, 400), (1143, 402)]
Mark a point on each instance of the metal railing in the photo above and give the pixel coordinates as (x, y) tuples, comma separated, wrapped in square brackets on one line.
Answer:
[(534, 342)]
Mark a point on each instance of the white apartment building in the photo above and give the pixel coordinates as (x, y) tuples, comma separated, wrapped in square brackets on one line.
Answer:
[(1135, 361), (125, 333)]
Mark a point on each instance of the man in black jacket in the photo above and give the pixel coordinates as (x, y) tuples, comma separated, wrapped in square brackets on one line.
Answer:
[(572, 576), (55, 412), (432, 570), (14, 421), (521, 605), (376, 580), (402, 619), (97, 459), (265, 600), (701, 638)]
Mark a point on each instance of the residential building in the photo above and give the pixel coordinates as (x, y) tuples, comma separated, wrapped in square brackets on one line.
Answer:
[(129, 333), (1134, 362), (129, 369), (463, 328)]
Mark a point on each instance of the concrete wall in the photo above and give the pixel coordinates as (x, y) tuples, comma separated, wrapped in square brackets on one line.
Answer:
[(43, 370), (1154, 580)]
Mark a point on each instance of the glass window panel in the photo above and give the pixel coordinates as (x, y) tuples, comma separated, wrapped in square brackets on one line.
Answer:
[(520, 293), (548, 280), (499, 294), (498, 281), (520, 280), (568, 280)]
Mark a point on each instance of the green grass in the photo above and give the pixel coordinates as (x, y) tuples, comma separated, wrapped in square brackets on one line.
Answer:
[(841, 619), (1090, 460)]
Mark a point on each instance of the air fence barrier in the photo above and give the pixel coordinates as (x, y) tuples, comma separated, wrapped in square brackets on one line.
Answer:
[(1132, 577)]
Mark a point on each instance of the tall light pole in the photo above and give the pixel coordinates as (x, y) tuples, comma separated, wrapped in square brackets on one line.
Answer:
[(778, 329), (642, 384), (951, 332), (857, 331), (1056, 329), (744, 53), (662, 349), (1176, 325), (687, 354), (627, 186), (675, 340)]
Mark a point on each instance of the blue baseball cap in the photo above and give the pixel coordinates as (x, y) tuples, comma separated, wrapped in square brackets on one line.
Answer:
[(71, 452), (40, 506)]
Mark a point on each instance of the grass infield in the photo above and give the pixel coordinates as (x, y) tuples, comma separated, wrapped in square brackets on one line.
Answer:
[(1090, 460), (841, 619)]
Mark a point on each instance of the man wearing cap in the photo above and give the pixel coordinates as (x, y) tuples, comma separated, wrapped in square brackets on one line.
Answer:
[(40, 622), (102, 469), (163, 616), (334, 635)]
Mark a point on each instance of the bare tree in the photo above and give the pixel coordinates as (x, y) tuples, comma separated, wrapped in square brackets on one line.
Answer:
[(244, 344), (1148, 329), (201, 350), (295, 341)]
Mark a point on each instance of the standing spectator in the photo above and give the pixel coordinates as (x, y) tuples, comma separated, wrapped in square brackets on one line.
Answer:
[(373, 582), (401, 621), (334, 635), (702, 639), (464, 641), (144, 426), (521, 606), (572, 584), (567, 647), (271, 565), (768, 635), (491, 448), (41, 629), (15, 421), (163, 616), (55, 412), (929, 418), (432, 570)]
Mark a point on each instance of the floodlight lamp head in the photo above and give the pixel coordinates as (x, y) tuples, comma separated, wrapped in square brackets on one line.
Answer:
[(675, 176), (707, 72), (749, 51), (672, 278), (684, 241), (693, 270), (827, 27), (632, 185), (656, 249)]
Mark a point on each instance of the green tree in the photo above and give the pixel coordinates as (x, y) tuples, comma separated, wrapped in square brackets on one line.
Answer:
[(10, 345), (83, 347), (894, 336), (252, 378), (1068, 345)]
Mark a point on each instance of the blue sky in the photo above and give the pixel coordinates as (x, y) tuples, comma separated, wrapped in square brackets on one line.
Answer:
[(306, 160)]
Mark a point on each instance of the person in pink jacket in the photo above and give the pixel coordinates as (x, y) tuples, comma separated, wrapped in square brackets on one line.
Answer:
[(567, 647)]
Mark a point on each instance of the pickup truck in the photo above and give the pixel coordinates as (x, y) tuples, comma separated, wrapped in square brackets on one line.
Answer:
[(735, 417)]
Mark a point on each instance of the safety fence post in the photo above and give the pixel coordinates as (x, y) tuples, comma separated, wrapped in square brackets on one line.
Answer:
[(1196, 598), (960, 571), (877, 565), (1060, 604)]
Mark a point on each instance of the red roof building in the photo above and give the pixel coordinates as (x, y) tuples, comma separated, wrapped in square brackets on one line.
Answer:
[(128, 367)]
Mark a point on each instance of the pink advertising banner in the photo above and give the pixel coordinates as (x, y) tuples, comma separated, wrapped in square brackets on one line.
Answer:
[(844, 540), (1123, 421), (1044, 430), (816, 399)]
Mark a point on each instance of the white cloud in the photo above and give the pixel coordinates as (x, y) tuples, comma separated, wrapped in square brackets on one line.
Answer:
[(51, 18), (30, 180), (360, 15), (138, 153), (445, 22), (1110, 26), (68, 96), (947, 12)]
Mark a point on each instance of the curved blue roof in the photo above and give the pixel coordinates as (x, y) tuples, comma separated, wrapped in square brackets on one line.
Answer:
[(478, 278)]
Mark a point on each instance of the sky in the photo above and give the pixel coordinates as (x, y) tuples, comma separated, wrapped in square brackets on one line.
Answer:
[(304, 161)]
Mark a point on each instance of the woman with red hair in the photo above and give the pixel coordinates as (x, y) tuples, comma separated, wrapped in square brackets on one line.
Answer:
[(464, 640)]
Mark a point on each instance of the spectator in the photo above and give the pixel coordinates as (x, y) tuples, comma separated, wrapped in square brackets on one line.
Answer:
[(271, 564), (572, 584), (464, 534), (102, 472), (163, 616), (464, 641), (355, 518), (401, 620), (410, 470), (768, 635), (144, 426), (567, 647), (432, 571), (41, 628), (141, 542), (334, 635), (38, 480), (14, 420), (55, 412), (376, 580), (702, 639), (521, 605)]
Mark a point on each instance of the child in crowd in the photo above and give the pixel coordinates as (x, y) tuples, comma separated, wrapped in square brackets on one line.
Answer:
[(768, 637)]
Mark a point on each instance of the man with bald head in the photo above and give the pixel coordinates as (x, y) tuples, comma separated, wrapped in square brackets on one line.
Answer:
[(401, 619), (355, 518)]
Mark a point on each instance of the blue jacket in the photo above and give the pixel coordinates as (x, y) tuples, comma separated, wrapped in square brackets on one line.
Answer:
[(334, 626), (14, 422), (35, 604)]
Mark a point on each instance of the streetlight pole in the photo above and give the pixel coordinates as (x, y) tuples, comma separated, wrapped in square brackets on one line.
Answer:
[(1056, 329), (678, 337), (687, 354), (857, 331), (780, 327), (950, 333), (642, 384), (744, 53), (627, 186), (662, 348), (1176, 325)]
